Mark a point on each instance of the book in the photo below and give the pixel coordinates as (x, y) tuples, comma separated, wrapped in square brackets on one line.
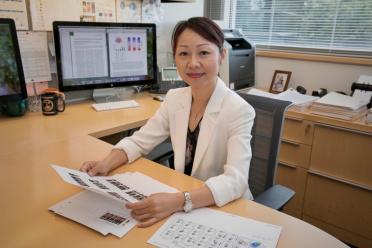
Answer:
[(101, 206)]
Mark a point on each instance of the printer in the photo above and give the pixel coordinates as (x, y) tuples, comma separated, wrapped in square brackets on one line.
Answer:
[(237, 70)]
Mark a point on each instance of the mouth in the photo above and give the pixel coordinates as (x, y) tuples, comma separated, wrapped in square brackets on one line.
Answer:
[(195, 75)]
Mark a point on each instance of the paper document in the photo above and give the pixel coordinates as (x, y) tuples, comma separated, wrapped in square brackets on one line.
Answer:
[(290, 95), (102, 206), (128, 10), (212, 228), (97, 212), (34, 53), (15, 10), (342, 101), (44, 12), (126, 187)]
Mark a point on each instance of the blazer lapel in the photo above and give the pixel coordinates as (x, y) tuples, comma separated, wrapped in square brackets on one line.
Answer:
[(208, 123), (180, 133)]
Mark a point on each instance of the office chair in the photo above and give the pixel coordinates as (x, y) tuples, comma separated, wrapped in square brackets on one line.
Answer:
[(265, 143)]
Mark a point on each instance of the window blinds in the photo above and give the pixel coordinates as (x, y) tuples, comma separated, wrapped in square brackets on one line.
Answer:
[(325, 26)]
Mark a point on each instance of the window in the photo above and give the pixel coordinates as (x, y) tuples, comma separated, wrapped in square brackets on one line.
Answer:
[(342, 27)]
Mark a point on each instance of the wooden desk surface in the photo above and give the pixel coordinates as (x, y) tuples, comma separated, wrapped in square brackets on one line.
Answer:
[(29, 185)]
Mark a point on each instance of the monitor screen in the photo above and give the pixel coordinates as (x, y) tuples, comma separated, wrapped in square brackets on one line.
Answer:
[(104, 55), (12, 81)]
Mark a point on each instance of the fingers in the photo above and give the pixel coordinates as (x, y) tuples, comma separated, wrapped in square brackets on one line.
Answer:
[(93, 168), (87, 166), (139, 205), (148, 222), (141, 217)]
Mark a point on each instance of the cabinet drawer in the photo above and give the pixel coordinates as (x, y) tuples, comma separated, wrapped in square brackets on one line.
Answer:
[(294, 153), (295, 179), (339, 204), (343, 153), (298, 130)]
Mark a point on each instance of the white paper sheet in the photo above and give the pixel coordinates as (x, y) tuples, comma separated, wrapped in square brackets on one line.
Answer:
[(126, 187), (15, 10), (34, 53), (98, 11), (101, 207), (211, 228), (97, 212), (44, 12), (128, 10), (290, 95)]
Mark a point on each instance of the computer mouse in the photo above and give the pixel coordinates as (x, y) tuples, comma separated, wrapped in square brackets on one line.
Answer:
[(158, 98)]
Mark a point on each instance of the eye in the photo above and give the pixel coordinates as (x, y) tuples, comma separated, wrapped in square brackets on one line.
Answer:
[(204, 53), (182, 53)]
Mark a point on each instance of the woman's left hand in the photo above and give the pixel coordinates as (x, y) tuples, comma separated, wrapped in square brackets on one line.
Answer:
[(156, 207)]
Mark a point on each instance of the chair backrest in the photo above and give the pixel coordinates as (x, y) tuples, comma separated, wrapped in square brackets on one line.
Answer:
[(265, 142)]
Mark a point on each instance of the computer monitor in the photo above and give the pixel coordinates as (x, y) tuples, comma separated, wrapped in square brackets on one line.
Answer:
[(12, 81), (92, 55)]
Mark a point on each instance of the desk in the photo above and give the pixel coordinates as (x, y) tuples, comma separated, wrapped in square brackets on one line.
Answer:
[(29, 186)]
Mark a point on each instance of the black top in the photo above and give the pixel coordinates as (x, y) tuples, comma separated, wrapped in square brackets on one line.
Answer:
[(191, 142)]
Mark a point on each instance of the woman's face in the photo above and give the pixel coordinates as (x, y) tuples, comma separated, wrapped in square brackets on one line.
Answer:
[(197, 59)]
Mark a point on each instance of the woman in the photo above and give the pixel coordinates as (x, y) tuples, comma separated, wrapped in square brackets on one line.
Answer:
[(209, 125)]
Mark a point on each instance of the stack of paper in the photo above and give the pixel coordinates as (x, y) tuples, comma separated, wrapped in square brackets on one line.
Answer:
[(299, 101), (340, 106), (102, 206)]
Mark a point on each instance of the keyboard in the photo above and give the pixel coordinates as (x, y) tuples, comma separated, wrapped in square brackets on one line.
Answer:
[(115, 105), (164, 86)]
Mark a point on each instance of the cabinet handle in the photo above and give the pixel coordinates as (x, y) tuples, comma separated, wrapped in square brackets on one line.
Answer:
[(307, 128), (290, 142), (287, 164), (338, 179)]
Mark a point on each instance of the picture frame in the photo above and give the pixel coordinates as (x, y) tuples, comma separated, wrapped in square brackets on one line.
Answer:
[(280, 81)]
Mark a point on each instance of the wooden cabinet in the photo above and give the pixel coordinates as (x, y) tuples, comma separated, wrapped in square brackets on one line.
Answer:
[(329, 165)]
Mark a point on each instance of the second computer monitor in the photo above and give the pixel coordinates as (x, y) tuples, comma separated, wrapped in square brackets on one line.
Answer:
[(104, 55)]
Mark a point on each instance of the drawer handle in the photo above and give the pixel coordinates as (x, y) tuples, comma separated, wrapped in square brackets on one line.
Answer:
[(290, 142), (287, 164), (338, 179)]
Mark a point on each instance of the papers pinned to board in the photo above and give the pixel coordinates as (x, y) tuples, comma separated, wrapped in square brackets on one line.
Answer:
[(102, 205)]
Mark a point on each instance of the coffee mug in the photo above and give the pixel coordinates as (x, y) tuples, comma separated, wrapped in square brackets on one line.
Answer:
[(52, 103)]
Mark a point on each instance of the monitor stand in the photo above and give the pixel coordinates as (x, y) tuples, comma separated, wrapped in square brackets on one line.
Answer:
[(113, 94)]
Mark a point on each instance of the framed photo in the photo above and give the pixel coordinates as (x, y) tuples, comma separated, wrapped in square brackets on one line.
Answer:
[(280, 81)]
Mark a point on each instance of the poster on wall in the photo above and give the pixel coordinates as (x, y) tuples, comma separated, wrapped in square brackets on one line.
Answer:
[(98, 11), (128, 10), (152, 11), (15, 10), (44, 12), (34, 53)]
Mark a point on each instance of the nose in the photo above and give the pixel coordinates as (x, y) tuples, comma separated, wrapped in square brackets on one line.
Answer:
[(193, 62)]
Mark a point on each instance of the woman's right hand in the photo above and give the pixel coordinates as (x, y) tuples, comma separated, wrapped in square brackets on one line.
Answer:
[(95, 168)]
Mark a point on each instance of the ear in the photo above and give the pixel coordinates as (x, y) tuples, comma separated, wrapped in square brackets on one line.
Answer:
[(222, 55)]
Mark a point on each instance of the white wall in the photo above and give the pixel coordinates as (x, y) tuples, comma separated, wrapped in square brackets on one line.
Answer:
[(174, 12), (311, 75)]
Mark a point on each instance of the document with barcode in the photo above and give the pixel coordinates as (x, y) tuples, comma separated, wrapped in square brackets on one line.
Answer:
[(101, 206)]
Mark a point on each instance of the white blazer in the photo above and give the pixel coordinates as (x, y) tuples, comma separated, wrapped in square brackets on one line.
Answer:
[(223, 151)]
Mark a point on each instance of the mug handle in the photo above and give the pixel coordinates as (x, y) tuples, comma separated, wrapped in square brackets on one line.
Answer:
[(60, 103)]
